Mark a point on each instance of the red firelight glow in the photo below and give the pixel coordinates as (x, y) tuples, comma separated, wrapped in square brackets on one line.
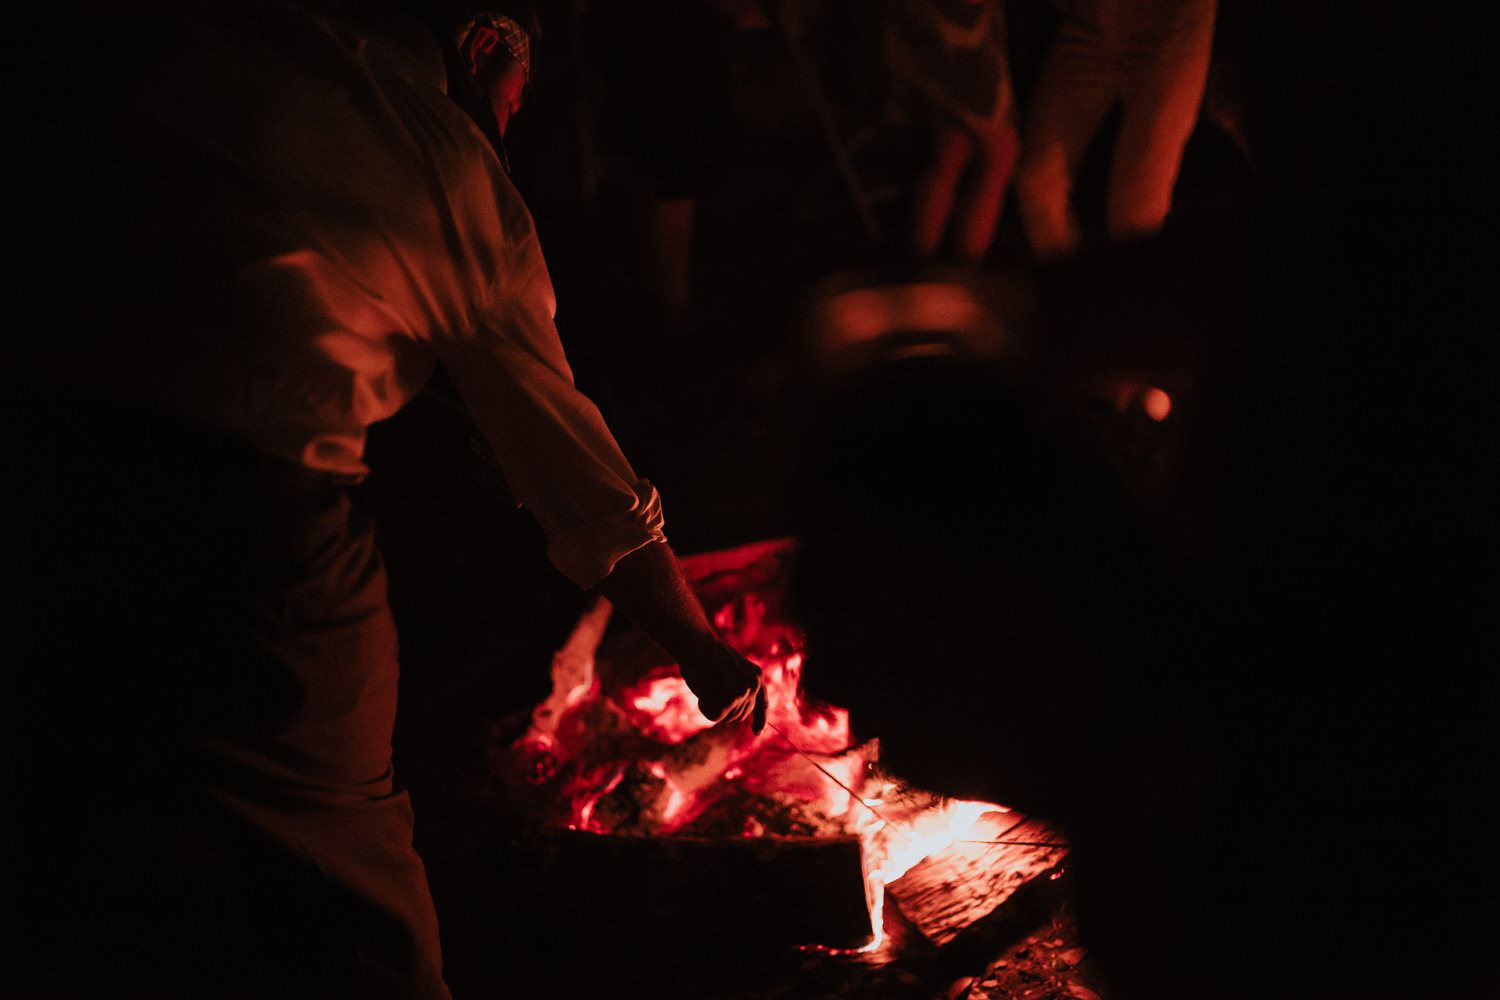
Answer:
[(639, 758), (1157, 404)]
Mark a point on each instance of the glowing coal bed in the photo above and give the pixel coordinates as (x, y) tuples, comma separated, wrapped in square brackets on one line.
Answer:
[(619, 754)]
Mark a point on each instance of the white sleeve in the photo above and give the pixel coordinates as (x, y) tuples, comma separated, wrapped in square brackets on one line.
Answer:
[(558, 456)]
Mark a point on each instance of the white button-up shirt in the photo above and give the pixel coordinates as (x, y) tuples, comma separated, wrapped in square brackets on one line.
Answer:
[(318, 225)]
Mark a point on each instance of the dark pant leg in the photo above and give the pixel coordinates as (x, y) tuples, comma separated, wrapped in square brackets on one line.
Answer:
[(188, 627)]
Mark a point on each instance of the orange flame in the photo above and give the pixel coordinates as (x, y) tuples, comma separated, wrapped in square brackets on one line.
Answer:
[(687, 765)]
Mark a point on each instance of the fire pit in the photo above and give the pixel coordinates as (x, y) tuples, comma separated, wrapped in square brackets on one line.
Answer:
[(793, 837)]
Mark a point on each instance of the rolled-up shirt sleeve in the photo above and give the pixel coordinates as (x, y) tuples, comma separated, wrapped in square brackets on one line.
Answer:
[(558, 456)]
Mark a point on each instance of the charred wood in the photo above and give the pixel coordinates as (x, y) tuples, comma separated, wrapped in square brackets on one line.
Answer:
[(745, 893)]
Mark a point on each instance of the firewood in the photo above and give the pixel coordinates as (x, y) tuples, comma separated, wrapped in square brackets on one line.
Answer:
[(947, 892), (761, 893)]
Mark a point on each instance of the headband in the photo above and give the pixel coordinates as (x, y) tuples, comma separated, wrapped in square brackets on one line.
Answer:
[(514, 37)]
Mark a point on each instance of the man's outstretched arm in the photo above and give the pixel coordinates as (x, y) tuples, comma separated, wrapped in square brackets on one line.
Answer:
[(649, 587)]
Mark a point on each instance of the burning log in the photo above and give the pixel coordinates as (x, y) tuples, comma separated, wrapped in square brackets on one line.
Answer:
[(756, 894), (947, 893), (789, 837)]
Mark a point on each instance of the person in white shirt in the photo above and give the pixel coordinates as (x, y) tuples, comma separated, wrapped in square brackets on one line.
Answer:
[(250, 233)]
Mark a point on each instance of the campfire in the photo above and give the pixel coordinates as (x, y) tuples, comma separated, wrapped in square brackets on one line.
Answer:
[(620, 751)]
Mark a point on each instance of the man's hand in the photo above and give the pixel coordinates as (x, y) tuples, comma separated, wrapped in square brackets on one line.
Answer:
[(648, 586), (728, 686)]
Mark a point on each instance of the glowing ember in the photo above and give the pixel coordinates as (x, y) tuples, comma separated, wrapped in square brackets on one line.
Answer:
[(667, 710), (622, 750), (1157, 404)]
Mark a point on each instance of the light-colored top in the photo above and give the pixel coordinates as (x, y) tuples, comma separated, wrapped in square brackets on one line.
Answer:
[(319, 225)]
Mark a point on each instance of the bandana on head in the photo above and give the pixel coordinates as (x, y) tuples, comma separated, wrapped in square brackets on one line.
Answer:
[(514, 37)]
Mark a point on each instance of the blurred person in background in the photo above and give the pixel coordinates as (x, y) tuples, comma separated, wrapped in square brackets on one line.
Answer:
[(951, 69), (1269, 749), (1149, 57), (666, 69)]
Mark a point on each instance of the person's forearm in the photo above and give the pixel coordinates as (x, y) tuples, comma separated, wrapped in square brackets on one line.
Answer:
[(649, 587)]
